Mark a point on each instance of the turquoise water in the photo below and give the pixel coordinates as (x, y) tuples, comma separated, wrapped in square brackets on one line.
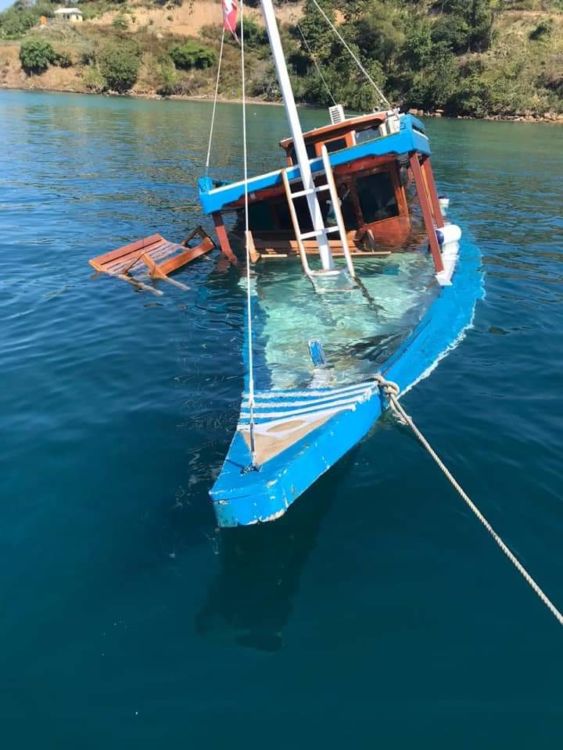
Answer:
[(358, 329), (377, 613)]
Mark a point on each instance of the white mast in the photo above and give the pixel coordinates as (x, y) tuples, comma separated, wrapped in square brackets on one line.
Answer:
[(297, 134)]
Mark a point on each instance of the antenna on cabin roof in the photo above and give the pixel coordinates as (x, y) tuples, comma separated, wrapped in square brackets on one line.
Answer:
[(337, 114)]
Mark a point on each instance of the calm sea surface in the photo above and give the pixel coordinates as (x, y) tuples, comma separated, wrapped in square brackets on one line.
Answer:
[(377, 613)]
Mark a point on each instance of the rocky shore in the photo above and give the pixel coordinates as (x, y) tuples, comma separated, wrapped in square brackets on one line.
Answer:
[(551, 117)]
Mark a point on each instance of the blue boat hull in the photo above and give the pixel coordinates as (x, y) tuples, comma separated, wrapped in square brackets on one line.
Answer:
[(241, 496)]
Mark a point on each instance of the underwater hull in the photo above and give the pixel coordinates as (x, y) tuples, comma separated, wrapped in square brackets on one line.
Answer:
[(244, 496)]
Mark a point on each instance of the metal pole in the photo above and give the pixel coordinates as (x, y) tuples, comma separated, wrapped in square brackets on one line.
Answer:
[(297, 134)]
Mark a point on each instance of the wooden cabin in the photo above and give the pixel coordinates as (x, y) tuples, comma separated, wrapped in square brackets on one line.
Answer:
[(372, 194), (373, 159)]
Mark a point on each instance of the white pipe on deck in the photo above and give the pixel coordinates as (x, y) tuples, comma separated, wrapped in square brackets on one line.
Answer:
[(297, 134)]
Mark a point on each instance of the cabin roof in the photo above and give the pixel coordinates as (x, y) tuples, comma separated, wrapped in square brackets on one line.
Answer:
[(409, 139), (339, 128)]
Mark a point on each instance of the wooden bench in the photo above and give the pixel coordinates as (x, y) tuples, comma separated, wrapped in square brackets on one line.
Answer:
[(154, 253)]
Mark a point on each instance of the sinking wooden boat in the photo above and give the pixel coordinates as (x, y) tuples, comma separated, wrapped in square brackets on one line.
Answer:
[(353, 271)]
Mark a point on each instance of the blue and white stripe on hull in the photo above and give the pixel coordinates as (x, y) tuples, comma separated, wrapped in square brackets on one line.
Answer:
[(279, 405)]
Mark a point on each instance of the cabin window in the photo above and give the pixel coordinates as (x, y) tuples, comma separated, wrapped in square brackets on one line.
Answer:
[(336, 145), (347, 207), (377, 197), (369, 134), (311, 153)]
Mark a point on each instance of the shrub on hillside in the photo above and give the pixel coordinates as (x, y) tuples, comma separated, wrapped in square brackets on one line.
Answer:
[(254, 36), (119, 65), (93, 80), (36, 55), (192, 55), (167, 78), (63, 59), (542, 30), (120, 22)]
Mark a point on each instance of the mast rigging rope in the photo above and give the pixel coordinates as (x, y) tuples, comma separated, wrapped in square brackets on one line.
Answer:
[(358, 62), (207, 161), (251, 397), (391, 391), (317, 66)]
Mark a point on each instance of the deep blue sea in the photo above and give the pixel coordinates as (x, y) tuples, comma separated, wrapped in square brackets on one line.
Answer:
[(377, 613)]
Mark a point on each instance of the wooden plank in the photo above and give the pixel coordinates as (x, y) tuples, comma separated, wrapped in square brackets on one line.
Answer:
[(120, 252), (433, 192), (426, 207), (271, 253), (156, 273), (336, 207), (287, 247), (223, 238), (253, 254), (189, 255), (137, 284)]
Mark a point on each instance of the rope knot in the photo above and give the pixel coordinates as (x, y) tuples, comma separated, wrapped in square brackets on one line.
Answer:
[(388, 387)]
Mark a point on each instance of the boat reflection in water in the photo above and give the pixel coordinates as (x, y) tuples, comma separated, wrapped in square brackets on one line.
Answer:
[(251, 600)]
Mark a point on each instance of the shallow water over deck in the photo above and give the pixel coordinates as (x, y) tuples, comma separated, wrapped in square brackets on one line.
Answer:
[(358, 328)]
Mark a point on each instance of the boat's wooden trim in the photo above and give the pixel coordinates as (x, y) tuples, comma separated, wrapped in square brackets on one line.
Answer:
[(223, 237), (288, 247), (268, 445), (333, 131), (427, 215), (433, 192)]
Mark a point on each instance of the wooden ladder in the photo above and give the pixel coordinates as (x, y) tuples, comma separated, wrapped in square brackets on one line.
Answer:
[(339, 227)]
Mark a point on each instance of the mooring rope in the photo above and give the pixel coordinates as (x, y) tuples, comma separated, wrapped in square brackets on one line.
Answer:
[(391, 391), (212, 128)]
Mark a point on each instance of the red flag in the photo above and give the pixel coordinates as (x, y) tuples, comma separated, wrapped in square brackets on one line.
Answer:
[(230, 15)]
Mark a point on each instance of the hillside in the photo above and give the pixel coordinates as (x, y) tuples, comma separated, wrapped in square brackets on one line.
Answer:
[(478, 58)]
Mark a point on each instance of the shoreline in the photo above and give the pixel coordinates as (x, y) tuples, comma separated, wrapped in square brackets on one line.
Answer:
[(551, 118)]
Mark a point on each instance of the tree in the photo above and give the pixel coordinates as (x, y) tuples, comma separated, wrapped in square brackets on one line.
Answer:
[(418, 46), (192, 55), (316, 32), (16, 21), (36, 55), (436, 84), (119, 65)]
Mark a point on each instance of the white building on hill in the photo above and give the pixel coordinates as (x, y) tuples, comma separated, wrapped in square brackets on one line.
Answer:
[(69, 15)]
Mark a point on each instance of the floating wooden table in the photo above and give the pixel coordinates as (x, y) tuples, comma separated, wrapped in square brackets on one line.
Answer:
[(156, 254)]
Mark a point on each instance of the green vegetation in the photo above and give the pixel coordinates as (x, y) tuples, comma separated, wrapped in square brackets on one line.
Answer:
[(21, 17), (119, 64), (464, 57), (192, 55), (63, 59), (36, 55)]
